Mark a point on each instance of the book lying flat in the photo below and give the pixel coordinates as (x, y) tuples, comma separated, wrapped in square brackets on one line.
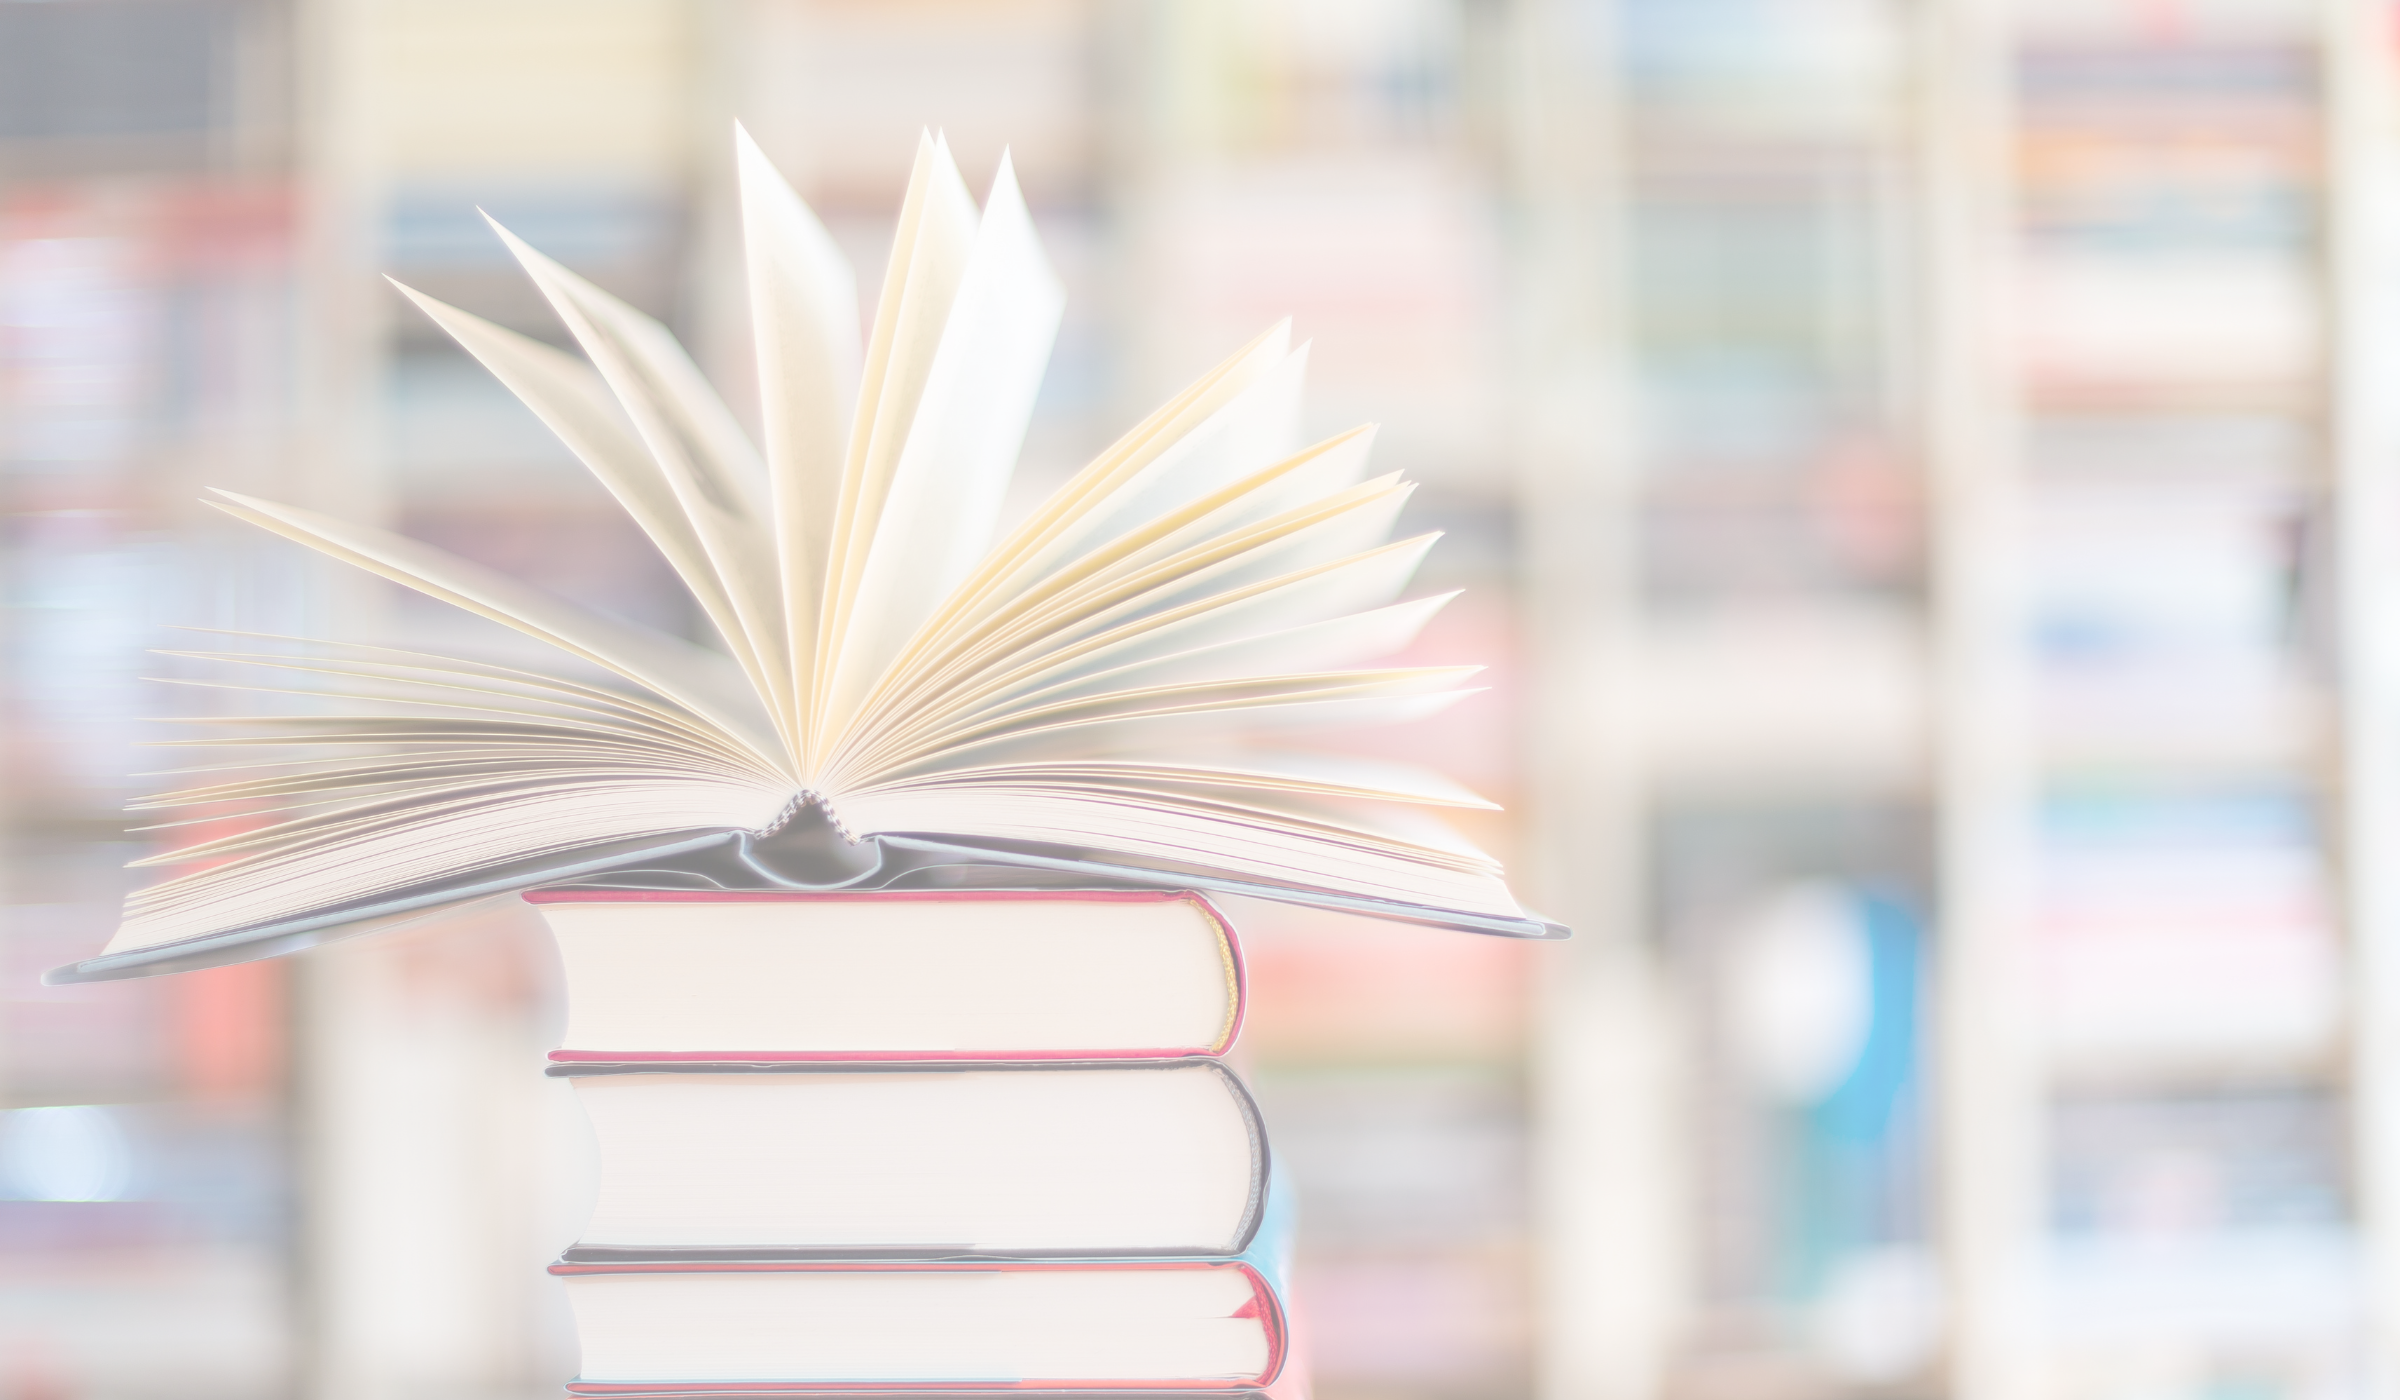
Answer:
[(720, 1042), (664, 976), (682, 1327), (891, 694), (1055, 1160)]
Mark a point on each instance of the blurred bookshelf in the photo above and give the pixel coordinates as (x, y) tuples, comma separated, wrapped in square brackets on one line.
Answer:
[(1985, 392)]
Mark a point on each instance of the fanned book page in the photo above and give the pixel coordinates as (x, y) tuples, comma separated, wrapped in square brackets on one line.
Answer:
[(1114, 679)]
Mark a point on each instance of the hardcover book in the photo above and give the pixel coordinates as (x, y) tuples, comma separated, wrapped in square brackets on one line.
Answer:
[(890, 697), (688, 1328), (657, 976), (951, 1161)]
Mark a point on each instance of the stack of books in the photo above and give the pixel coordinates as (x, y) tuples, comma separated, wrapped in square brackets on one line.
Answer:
[(953, 1138)]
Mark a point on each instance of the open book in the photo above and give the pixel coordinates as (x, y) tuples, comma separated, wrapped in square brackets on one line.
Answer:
[(1094, 699)]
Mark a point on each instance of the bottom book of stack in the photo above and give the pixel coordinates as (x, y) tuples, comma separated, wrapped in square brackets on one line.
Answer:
[(686, 1327)]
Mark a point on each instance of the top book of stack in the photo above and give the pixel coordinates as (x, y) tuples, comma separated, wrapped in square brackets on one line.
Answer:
[(893, 698), (1065, 975)]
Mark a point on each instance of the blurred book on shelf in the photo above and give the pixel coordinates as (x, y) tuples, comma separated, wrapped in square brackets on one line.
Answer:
[(2167, 623), (2185, 935), (2220, 1214)]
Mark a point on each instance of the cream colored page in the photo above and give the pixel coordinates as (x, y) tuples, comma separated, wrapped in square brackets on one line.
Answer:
[(962, 446), (1013, 577), (1239, 694), (1257, 429), (676, 670), (285, 808), (1252, 848), (1133, 453), (930, 252), (1063, 527), (1118, 592), (678, 413), (421, 772), (1325, 775), (483, 712), (1126, 724), (328, 783), (1316, 473), (417, 771), (574, 401), (452, 684), (717, 476), (441, 836), (1286, 491), (1356, 584), (343, 820), (1344, 524), (294, 824), (1185, 533), (1337, 527), (520, 725), (804, 321), (342, 862), (1405, 830), (503, 685), (1333, 644)]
